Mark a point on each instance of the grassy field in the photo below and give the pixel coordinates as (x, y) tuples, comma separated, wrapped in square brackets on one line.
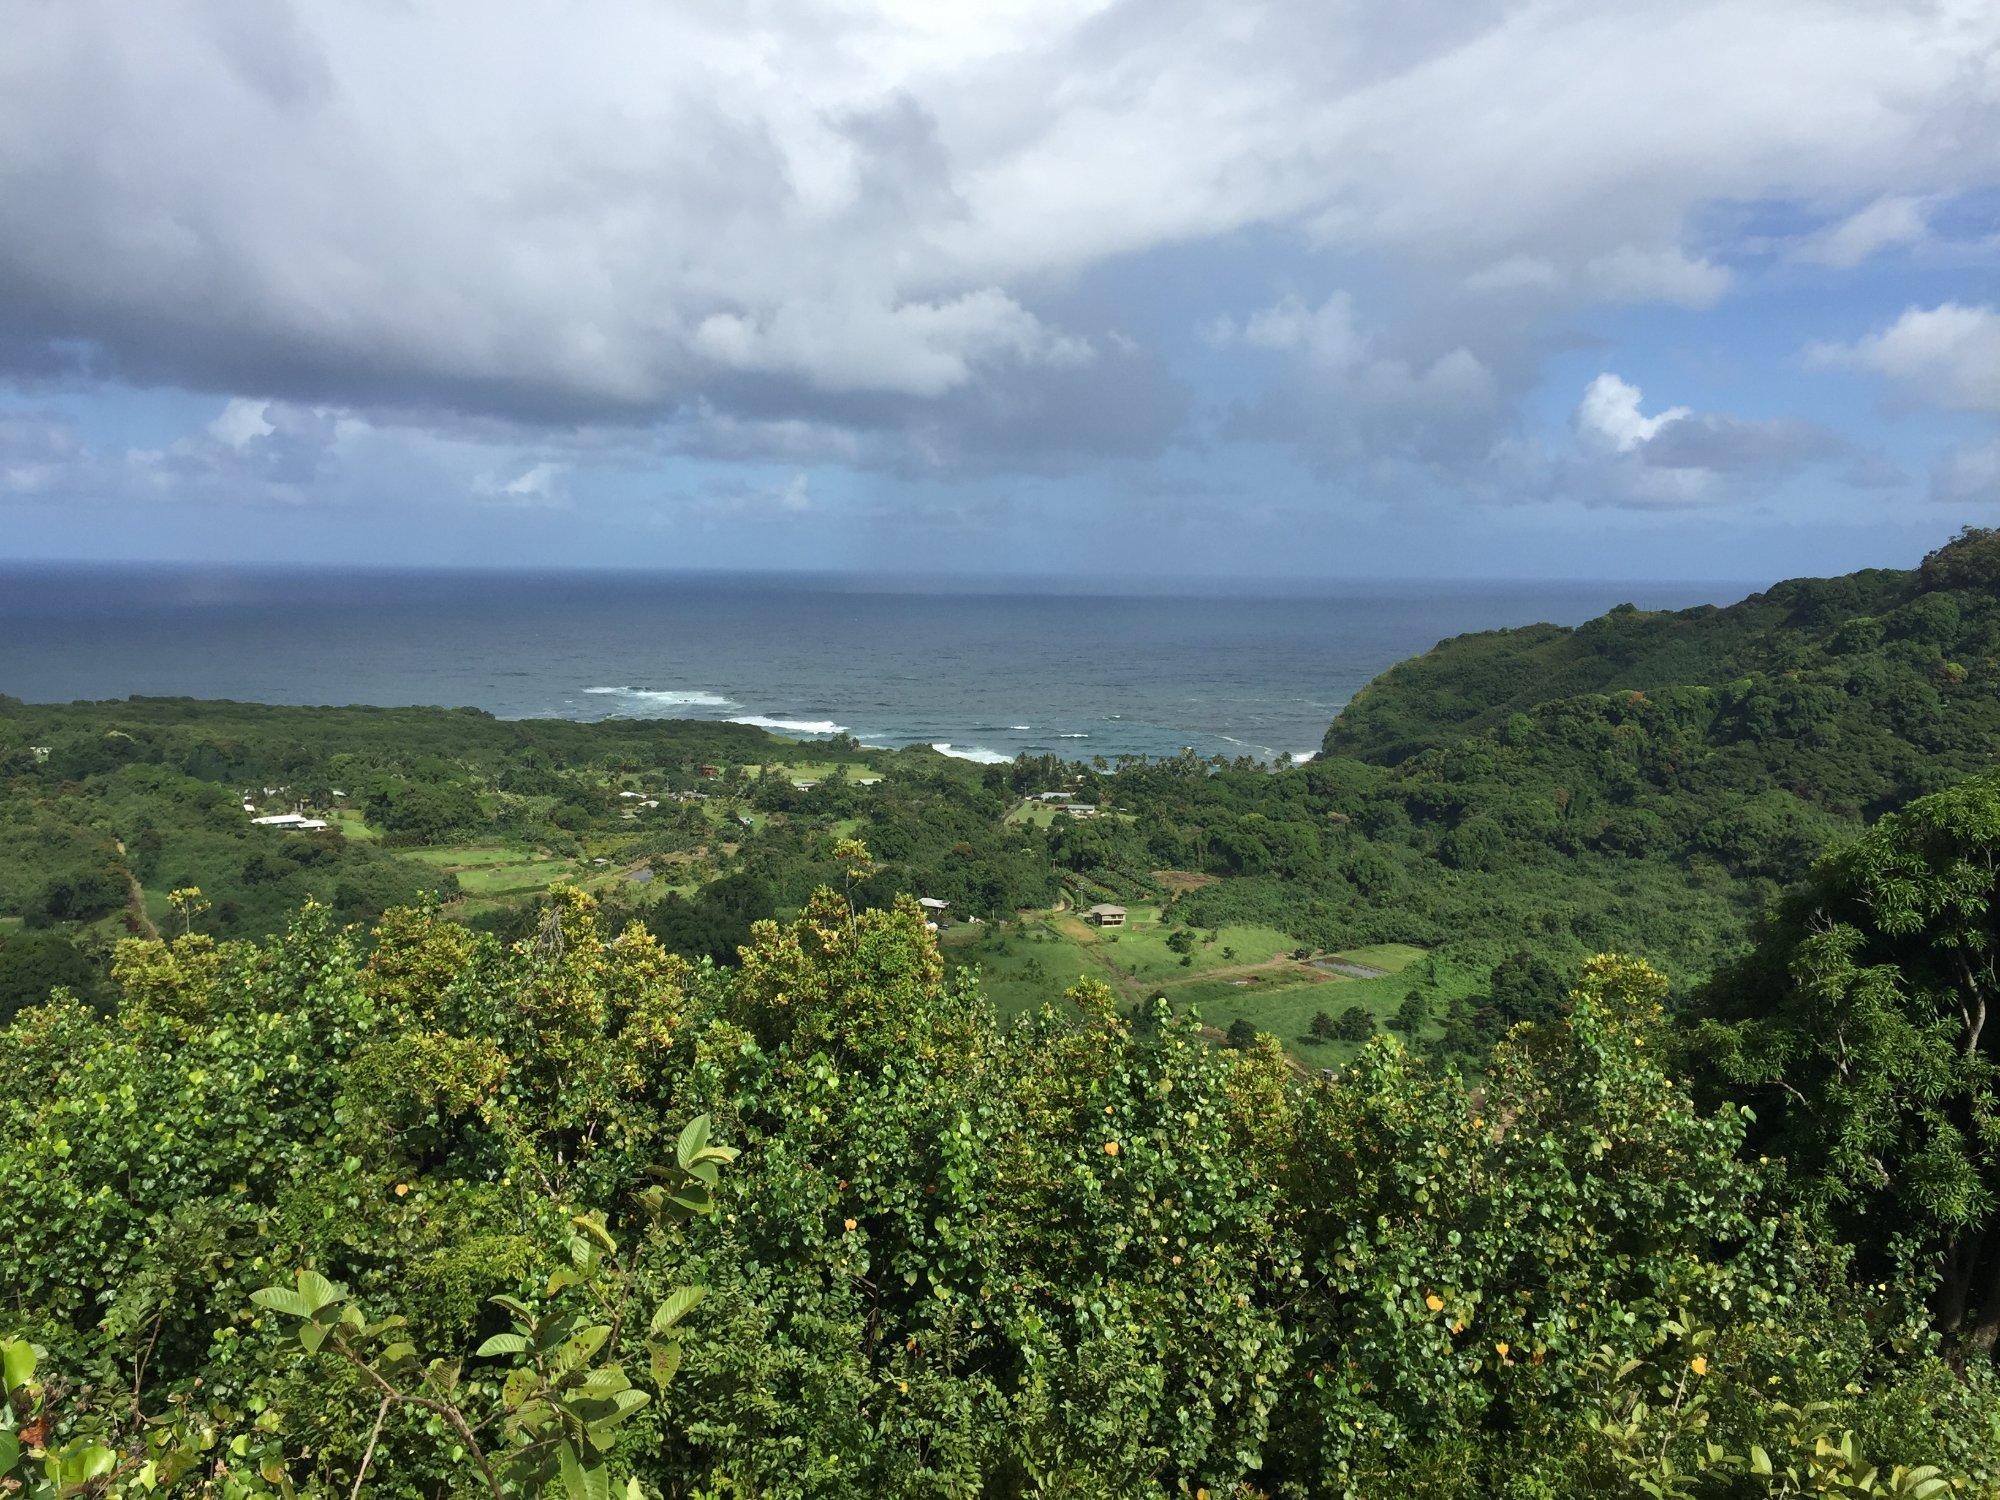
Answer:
[(498, 869), (1262, 983), (353, 826), (822, 770), (1139, 948), (1041, 814)]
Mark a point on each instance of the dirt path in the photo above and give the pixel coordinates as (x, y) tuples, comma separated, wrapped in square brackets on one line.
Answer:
[(136, 919)]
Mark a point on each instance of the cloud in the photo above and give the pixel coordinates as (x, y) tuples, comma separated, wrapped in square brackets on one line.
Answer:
[(1968, 475), (1948, 355), (922, 240), (1608, 418), (1659, 273), (1891, 221), (1680, 457), (1326, 334), (1346, 402), (916, 349), (539, 487), (736, 500)]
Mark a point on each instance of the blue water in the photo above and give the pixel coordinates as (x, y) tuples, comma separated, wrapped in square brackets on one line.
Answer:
[(987, 673)]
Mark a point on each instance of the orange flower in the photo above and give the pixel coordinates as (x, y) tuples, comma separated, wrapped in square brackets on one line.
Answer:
[(1434, 1302), (1110, 1148), (851, 1225)]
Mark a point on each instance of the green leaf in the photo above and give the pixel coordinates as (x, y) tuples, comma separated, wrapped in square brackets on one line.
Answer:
[(693, 1139), (593, 1225), (17, 1362), (10, 1452), (79, 1463), (1760, 1461), (666, 1360), (282, 1299), (583, 1348), (581, 1481), (676, 1307), (318, 1291), (502, 1343), (519, 1388)]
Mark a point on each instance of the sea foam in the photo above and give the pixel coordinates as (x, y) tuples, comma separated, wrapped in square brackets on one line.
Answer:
[(789, 726), (668, 697), (977, 753)]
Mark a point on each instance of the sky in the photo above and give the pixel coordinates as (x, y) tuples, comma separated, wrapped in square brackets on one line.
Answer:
[(1700, 289)]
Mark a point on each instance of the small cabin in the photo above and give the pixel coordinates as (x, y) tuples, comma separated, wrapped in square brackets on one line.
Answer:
[(1105, 914)]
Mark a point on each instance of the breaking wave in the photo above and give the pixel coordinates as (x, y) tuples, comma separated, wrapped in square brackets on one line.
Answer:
[(667, 697), (977, 753), (789, 726)]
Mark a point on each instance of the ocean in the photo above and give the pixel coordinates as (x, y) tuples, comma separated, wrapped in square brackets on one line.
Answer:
[(979, 670)]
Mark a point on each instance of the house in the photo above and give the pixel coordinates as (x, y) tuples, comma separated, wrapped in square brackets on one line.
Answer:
[(1078, 809), (284, 820), (932, 906), (308, 825), (1052, 796), (1104, 914), (631, 794), (711, 771)]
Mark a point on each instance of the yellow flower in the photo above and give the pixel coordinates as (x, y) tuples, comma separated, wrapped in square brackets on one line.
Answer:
[(851, 1223), (402, 1189), (1107, 1109), (1434, 1302), (1501, 1350), (903, 1386), (1110, 1148), (1699, 1364)]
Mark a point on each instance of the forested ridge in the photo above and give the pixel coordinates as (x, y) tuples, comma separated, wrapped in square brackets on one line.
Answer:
[(1607, 1102)]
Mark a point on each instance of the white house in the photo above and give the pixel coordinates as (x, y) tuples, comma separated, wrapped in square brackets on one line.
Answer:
[(285, 820)]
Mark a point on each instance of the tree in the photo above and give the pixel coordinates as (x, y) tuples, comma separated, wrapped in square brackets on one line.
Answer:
[(1526, 987), (34, 963), (1413, 1015), (1324, 1028), (1861, 1027), (1356, 1024), (1242, 1034)]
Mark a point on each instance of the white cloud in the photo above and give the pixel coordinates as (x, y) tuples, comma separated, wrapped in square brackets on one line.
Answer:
[(1608, 418), (1515, 273), (1326, 334), (1893, 220), (539, 486), (1680, 457), (1660, 273), (917, 349), (1948, 355), (881, 233), (241, 421)]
